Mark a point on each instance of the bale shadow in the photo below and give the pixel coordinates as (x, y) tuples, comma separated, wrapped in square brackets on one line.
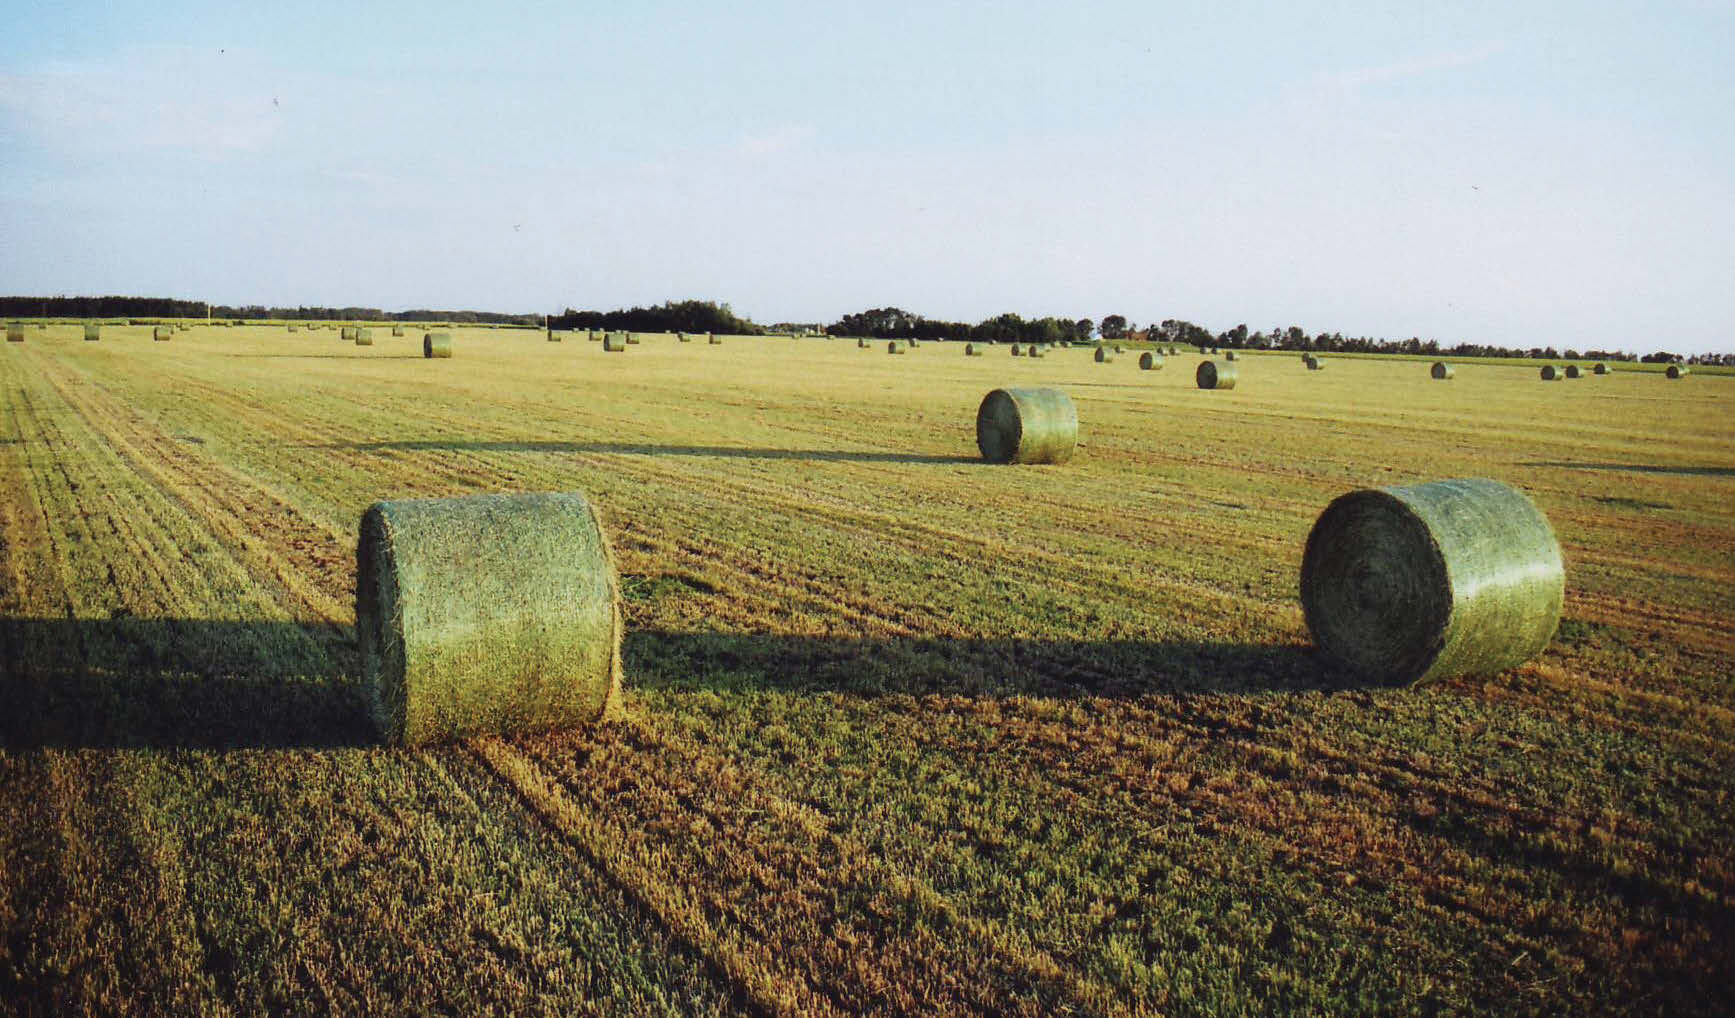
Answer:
[(333, 356), (648, 449), (178, 683), (860, 666), (1636, 468)]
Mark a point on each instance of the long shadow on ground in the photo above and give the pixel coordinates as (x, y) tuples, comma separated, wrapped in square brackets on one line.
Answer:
[(647, 449), (1636, 468)]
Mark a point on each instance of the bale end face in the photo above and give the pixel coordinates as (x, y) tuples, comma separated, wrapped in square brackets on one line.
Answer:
[(1026, 426), (14, 333), (1104, 355), (1441, 370), (1572, 371), (92, 332), (437, 344), (1549, 373), (614, 342), (1216, 375), (1150, 362), (1676, 371)]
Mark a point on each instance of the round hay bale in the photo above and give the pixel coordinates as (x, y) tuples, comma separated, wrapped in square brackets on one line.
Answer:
[(972, 350), (632, 338), (1677, 371), (554, 337), (1229, 356), (364, 337), (1026, 426), (92, 332), (295, 328), (1550, 373), (162, 334), (1035, 351), (1599, 369), (894, 347), (1572, 371), (1442, 371), (1216, 375), (615, 342), (347, 333), (1150, 361), (489, 614), (713, 340), (683, 337), (861, 343), (14, 332), (1316, 364), (913, 344), (1104, 355), (437, 344), (397, 330), (1017, 351), (1458, 577), (1174, 351)]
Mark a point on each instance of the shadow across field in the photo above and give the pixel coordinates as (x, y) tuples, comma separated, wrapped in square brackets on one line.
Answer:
[(738, 662), (130, 682), (648, 449), (332, 356), (1635, 468)]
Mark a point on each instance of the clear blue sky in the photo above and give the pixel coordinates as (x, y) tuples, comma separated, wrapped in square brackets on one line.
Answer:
[(1514, 173)]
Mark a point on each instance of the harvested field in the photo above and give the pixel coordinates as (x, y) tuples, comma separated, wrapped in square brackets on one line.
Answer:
[(901, 732)]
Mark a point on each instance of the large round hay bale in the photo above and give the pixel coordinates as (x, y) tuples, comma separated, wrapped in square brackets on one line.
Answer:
[(1550, 373), (1316, 364), (1104, 355), (1458, 577), (683, 337), (1216, 374), (1229, 355), (1150, 361), (713, 340), (1035, 351), (92, 332), (162, 334), (615, 342), (1441, 370), (632, 338), (1017, 351), (1026, 426), (1599, 369), (14, 332), (1572, 371), (397, 330), (973, 350), (347, 333), (489, 614), (1676, 371), (437, 344), (894, 347), (364, 337)]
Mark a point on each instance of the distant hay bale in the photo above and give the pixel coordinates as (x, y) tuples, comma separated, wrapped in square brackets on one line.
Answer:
[(346, 333), (1026, 426), (92, 332), (1442, 371), (488, 614), (364, 337), (1316, 364), (553, 337), (1017, 351), (683, 337), (14, 332), (1677, 371), (1572, 371), (295, 328), (861, 343), (1174, 351), (1035, 351), (1229, 355), (397, 330), (437, 344), (1150, 361), (973, 350), (162, 334), (894, 347), (1104, 355), (1216, 375), (631, 338), (713, 340), (1460, 577), (1550, 373), (1599, 369)]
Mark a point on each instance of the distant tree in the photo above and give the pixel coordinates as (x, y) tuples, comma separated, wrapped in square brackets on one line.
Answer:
[(1113, 327)]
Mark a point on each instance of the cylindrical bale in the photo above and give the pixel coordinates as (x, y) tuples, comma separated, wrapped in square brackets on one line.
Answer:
[(14, 332), (1316, 364), (615, 342), (1460, 577), (1026, 426), (554, 337), (632, 338), (972, 350), (1150, 361), (1599, 369), (713, 340), (364, 337), (1550, 373), (913, 344), (92, 331), (1035, 351), (347, 332), (1441, 370), (861, 343), (1216, 374), (1572, 371), (1229, 356), (1104, 355), (1017, 351), (1305, 357), (683, 337), (162, 334), (437, 344), (489, 614), (397, 330), (894, 347), (295, 328), (1676, 371)]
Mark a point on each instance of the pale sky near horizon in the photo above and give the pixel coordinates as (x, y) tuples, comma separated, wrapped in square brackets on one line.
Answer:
[(1515, 173)]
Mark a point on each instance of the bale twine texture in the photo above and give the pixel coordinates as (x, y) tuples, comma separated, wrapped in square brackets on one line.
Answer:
[(1442, 370), (615, 342), (437, 344), (1026, 426), (1677, 371), (489, 614), (1150, 361), (1460, 577), (364, 337), (92, 332), (1104, 355), (347, 332), (1216, 375)]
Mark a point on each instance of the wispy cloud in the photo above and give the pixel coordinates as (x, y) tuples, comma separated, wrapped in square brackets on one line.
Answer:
[(1352, 79)]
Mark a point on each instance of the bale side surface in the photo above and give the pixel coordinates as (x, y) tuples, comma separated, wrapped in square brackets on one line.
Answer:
[(1460, 577), (14, 332), (485, 614), (1549, 373), (614, 342), (162, 334), (397, 330), (1676, 371), (1150, 361), (437, 344), (1216, 375), (1104, 356), (92, 332), (1026, 426), (1572, 371), (364, 337), (1442, 370), (347, 332), (1600, 369)]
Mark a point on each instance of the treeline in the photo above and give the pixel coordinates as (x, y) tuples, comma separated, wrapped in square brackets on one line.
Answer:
[(166, 307), (896, 323), (670, 316)]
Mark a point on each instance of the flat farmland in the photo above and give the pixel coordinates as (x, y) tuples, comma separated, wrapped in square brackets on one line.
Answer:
[(903, 733)]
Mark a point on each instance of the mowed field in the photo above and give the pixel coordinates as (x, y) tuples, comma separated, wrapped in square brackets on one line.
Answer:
[(904, 733)]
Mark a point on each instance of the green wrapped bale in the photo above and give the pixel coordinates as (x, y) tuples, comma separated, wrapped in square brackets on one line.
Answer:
[(1216, 375), (1026, 426), (614, 342), (1676, 371), (1150, 361), (1441, 371), (364, 337), (1104, 355), (14, 332), (92, 332), (1407, 584), (489, 614), (437, 344)]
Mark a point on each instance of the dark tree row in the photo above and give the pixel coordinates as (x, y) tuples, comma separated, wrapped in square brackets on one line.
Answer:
[(670, 316)]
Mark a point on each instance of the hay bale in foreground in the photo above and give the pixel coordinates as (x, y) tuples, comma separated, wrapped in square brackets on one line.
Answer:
[(1316, 364), (1150, 361), (364, 337), (1599, 369), (973, 350), (1441, 370), (14, 332), (1677, 371), (1459, 577), (1104, 355), (92, 332), (490, 614), (346, 333), (614, 342), (162, 334), (1216, 375), (1572, 371), (1550, 373), (437, 344), (1026, 426)]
